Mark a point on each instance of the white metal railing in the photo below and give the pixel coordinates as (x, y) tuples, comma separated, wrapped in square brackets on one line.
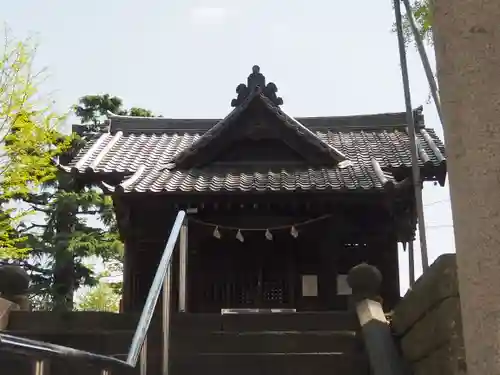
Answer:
[(138, 349), (162, 279)]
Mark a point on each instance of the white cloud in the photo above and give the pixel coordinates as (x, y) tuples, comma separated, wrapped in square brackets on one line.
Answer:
[(205, 15)]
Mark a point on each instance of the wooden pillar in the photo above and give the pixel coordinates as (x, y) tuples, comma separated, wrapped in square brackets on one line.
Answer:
[(128, 282), (391, 273), (467, 44), (327, 233), (328, 273)]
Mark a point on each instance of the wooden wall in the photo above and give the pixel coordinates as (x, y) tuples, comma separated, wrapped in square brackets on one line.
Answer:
[(326, 248)]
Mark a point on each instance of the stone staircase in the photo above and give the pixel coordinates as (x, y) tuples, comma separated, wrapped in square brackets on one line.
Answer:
[(309, 343), (278, 344)]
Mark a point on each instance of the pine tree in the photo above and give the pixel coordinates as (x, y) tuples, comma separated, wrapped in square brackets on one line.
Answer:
[(62, 243), (67, 237)]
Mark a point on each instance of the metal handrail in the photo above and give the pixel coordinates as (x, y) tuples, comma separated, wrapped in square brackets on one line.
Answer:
[(162, 278), (154, 293)]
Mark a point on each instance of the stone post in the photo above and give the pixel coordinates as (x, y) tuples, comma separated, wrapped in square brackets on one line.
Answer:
[(14, 284), (467, 43), (365, 281)]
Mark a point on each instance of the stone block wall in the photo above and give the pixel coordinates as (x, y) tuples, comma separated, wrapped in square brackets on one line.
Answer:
[(96, 332), (427, 322), (6, 307)]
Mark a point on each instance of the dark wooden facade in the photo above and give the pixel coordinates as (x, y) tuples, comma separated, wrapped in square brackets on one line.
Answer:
[(329, 201), (260, 272)]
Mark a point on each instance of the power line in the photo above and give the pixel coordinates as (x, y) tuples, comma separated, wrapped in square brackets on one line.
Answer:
[(433, 203), (440, 226)]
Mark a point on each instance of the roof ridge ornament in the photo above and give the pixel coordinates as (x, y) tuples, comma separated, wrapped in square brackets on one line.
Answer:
[(255, 81)]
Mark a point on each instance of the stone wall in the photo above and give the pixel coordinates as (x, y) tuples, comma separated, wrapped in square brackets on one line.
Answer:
[(96, 332), (6, 307), (428, 324)]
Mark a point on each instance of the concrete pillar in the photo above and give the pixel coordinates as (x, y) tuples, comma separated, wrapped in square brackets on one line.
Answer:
[(467, 43)]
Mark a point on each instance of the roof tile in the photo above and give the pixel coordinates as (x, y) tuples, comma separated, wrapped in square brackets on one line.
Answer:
[(387, 145), (216, 180)]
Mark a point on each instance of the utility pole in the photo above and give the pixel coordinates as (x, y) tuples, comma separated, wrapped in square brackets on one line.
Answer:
[(410, 120)]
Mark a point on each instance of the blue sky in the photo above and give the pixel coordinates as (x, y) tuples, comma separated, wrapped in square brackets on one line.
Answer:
[(185, 58)]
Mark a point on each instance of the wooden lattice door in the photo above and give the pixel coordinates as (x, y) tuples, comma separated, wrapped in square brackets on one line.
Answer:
[(276, 285), (252, 274)]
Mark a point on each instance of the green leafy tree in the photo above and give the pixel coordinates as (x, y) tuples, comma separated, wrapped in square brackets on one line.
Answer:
[(101, 297), (422, 14), (29, 138)]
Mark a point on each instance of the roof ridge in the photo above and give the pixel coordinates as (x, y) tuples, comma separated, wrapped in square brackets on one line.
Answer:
[(131, 124), (322, 151), (312, 138)]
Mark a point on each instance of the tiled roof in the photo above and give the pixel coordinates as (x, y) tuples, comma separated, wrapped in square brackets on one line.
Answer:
[(364, 177), (140, 148), (289, 128)]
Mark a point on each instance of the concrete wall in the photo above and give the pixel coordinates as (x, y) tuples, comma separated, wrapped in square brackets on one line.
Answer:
[(428, 322)]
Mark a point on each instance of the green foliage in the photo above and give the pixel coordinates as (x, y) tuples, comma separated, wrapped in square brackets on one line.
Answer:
[(93, 109), (114, 268), (63, 243), (11, 243), (59, 238), (29, 139), (102, 297), (422, 15), (140, 112)]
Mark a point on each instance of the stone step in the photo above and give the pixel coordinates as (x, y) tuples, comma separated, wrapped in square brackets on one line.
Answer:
[(47, 321), (277, 343), (104, 342), (266, 342), (302, 321), (330, 363), (324, 363)]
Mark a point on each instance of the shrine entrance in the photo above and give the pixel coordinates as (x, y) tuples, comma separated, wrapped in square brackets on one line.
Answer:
[(265, 278), (253, 274)]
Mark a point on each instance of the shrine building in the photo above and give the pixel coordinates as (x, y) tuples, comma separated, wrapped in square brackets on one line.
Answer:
[(279, 208)]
